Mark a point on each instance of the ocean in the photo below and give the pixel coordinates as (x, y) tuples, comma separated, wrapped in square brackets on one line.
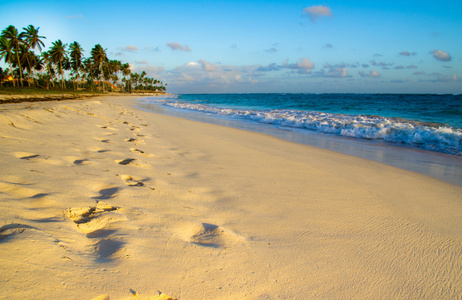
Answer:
[(423, 124)]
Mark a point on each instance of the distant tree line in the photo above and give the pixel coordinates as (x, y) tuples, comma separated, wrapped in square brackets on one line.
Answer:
[(47, 69)]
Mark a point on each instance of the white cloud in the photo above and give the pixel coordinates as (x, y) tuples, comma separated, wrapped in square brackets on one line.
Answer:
[(441, 55), (333, 71), (371, 74), (316, 12), (206, 66), (338, 72), (192, 64), (374, 74), (269, 68), (202, 75), (177, 46), (141, 62), (130, 48), (152, 71), (304, 65), (407, 53)]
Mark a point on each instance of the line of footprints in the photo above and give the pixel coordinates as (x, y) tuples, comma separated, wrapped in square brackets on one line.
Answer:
[(95, 218)]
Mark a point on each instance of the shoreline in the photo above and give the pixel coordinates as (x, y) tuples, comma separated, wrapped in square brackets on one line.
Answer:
[(102, 199), (442, 166)]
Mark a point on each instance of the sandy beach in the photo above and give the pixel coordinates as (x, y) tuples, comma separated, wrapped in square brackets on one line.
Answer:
[(99, 199)]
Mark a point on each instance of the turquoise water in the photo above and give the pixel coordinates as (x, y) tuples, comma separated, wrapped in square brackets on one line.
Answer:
[(428, 122)]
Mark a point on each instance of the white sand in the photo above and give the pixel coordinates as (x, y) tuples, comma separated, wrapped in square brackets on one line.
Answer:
[(100, 199)]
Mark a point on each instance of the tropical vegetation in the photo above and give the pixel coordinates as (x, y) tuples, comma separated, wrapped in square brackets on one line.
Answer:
[(64, 66)]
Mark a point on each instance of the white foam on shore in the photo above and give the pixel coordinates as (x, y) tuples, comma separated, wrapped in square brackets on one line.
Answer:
[(435, 137)]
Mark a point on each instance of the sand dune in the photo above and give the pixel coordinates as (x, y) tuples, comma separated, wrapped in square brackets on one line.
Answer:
[(99, 200)]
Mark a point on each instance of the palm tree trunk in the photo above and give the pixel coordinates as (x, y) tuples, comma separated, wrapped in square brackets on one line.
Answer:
[(11, 73), (101, 75), (62, 74), (19, 66)]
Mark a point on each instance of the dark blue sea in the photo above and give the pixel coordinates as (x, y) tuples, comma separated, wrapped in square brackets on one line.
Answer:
[(425, 122)]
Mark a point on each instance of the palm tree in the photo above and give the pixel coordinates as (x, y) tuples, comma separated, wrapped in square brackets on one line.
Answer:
[(48, 64), (98, 55), (28, 60), (16, 39), (58, 53), (125, 68), (76, 58), (6, 52), (32, 38)]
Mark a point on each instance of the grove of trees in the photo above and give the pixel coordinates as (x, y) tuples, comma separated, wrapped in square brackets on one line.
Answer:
[(64, 66)]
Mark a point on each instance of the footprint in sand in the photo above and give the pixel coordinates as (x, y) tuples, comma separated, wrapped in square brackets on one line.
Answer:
[(107, 193), (107, 127), (109, 249), (35, 158), (213, 236), (81, 162), (132, 181), (26, 155), (131, 161), (21, 190), (135, 141), (134, 128), (103, 140), (12, 229), (140, 152), (92, 218)]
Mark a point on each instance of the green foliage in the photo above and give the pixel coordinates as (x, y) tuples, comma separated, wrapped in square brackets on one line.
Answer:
[(75, 71)]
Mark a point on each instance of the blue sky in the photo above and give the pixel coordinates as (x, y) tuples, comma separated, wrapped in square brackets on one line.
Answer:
[(265, 46)]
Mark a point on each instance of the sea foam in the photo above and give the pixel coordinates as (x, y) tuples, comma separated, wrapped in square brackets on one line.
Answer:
[(430, 136)]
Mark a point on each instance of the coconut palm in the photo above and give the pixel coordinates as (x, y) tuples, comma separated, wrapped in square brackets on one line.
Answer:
[(32, 38), (76, 58), (16, 39), (49, 67), (125, 68), (58, 54), (28, 60), (98, 55), (6, 52)]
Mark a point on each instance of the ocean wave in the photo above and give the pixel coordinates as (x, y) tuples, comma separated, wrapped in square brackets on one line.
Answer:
[(430, 136)]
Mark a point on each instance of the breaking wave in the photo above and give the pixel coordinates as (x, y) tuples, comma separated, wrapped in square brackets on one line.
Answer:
[(430, 136)]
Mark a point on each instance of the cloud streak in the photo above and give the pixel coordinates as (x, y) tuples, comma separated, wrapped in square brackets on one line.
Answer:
[(130, 48), (407, 53), (317, 12), (178, 47)]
